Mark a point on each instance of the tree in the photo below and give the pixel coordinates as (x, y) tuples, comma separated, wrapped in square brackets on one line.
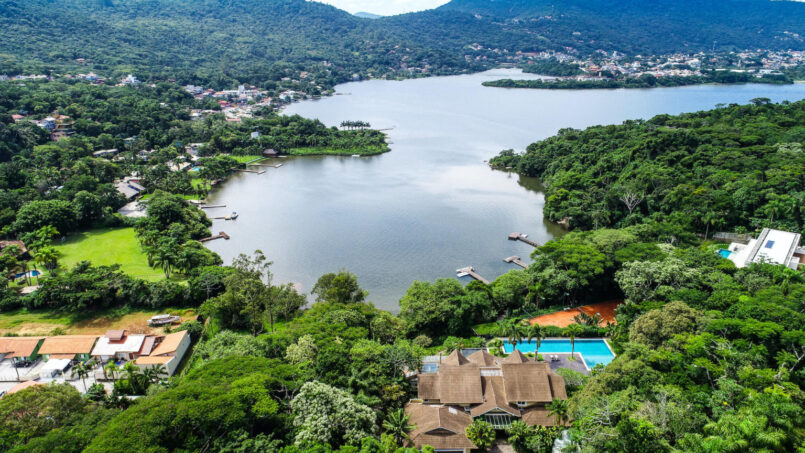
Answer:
[(396, 425), (572, 331), (327, 415), (534, 332), (512, 330), (655, 327), (82, 372), (481, 433), (341, 287), (559, 409)]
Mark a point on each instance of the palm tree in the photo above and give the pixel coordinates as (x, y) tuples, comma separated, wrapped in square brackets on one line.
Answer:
[(82, 371), (111, 368), (572, 331), (558, 408), (512, 330), (534, 332), (396, 425)]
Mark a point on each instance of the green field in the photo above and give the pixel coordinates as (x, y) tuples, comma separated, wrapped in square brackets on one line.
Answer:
[(325, 151), (108, 246)]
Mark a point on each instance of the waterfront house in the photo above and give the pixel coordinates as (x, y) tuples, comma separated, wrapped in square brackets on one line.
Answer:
[(70, 347), (168, 352), (771, 246), (497, 390)]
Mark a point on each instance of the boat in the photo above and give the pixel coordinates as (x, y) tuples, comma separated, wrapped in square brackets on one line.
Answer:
[(162, 320)]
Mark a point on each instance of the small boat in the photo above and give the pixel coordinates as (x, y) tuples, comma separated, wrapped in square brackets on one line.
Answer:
[(161, 320)]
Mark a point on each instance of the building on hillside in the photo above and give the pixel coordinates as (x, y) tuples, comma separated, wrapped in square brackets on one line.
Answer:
[(106, 153), (119, 345), (771, 246), (168, 352), (69, 347), (19, 349), (497, 390), (130, 189)]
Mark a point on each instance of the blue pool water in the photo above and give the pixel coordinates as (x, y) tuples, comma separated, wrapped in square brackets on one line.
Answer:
[(594, 350), (33, 273), (724, 253)]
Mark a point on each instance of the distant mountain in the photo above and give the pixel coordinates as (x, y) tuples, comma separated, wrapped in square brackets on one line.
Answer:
[(648, 26), (368, 15), (218, 42)]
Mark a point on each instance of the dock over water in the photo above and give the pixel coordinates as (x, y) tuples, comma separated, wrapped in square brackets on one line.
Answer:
[(516, 260), (471, 272), (523, 238), (220, 235)]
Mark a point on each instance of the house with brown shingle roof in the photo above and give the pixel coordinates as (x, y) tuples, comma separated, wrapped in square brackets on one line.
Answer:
[(498, 390), (168, 352), (19, 348), (73, 347)]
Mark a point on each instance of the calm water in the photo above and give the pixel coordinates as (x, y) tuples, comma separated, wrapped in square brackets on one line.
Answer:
[(592, 350), (431, 205)]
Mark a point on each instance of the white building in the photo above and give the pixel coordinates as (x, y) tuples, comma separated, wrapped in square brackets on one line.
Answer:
[(772, 246), (169, 352), (117, 345)]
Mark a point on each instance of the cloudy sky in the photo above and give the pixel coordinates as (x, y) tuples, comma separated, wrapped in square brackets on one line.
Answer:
[(384, 7)]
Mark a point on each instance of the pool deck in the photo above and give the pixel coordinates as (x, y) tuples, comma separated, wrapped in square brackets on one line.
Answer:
[(564, 362)]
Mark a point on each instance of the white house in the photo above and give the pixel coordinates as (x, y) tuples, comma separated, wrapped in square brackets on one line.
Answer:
[(169, 352), (117, 345), (772, 246)]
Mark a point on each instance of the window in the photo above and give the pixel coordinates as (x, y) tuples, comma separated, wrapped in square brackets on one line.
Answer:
[(769, 244)]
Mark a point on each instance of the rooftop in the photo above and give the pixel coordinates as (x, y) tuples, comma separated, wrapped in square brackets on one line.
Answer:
[(68, 344)]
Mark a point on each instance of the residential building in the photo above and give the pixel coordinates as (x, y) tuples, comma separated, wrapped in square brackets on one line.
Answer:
[(119, 345), (497, 390), (70, 347), (129, 188), (168, 352), (772, 246), (19, 349)]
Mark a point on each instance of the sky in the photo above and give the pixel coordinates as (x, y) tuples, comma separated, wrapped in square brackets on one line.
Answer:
[(384, 7)]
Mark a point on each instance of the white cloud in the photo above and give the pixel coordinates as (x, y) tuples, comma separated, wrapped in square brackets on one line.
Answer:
[(384, 7)]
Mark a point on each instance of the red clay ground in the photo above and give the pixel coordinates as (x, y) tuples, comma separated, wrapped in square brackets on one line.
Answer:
[(564, 318)]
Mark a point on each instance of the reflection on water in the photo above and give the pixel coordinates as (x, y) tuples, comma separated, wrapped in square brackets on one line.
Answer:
[(431, 205)]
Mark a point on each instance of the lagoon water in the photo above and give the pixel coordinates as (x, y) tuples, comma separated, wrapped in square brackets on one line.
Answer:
[(431, 205)]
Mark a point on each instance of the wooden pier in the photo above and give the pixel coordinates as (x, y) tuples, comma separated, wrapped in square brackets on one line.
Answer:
[(471, 272), (220, 235), (523, 238), (516, 260)]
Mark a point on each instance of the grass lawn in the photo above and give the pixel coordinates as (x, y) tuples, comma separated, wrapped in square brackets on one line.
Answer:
[(248, 159), (325, 151), (43, 322), (107, 246)]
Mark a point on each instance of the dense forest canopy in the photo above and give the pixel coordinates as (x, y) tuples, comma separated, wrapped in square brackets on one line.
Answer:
[(735, 167), (253, 41)]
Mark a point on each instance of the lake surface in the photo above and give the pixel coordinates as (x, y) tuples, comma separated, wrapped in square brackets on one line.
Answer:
[(431, 205)]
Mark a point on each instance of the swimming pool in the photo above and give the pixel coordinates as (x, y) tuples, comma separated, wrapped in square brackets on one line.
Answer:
[(33, 273), (593, 350)]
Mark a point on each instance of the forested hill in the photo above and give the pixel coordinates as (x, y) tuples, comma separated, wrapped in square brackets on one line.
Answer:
[(729, 168), (202, 41), (656, 26), (218, 42)]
